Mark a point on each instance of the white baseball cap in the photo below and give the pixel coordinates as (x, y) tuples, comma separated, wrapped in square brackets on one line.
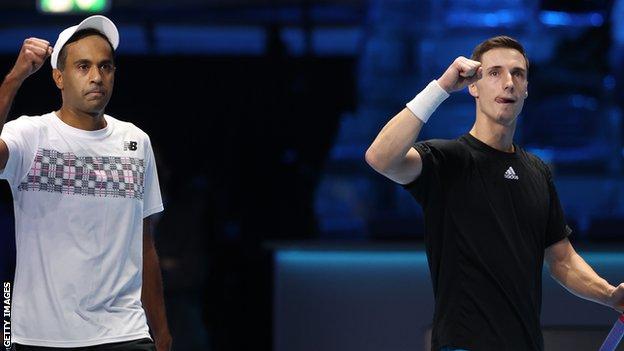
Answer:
[(98, 22)]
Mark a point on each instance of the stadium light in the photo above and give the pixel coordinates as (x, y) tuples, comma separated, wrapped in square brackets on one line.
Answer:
[(73, 6)]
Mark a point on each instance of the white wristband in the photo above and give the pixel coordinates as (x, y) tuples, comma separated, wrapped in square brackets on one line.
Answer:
[(427, 101)]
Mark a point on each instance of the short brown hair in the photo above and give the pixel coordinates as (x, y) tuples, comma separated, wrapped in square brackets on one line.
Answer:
[(500, 41)]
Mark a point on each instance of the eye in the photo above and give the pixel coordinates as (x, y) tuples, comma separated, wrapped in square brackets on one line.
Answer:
[(107, 67), (83, 67), (519, 74), (494, 73)]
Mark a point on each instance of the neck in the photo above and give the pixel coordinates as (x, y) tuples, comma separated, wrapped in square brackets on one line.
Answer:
[(495, 135), (81, 120)]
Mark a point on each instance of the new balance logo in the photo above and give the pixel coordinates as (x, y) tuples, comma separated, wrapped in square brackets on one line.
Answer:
[(130, 145), (511, 174)]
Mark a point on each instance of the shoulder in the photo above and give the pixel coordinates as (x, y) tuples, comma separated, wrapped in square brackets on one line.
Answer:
[(30, 121), (537, 163), (450, 145), (534, 160), (25, 124), (128, 128), (453, 148)]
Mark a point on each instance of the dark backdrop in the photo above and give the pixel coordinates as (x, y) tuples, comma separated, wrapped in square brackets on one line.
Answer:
[(240, 143)]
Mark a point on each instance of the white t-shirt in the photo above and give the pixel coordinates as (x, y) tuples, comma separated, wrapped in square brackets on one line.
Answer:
[(80, 198)]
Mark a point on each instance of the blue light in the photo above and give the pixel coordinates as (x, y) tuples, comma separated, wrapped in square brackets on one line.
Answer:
[(233, 40), (559, 19), (417, 258), (596, 19), (601, 258), (494, 19), (490, 20), (609, 82), (582, 101), (335, 257), (506, 17), (555, 18)]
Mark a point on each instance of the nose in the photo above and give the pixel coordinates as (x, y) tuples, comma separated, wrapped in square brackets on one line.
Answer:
[(508, 83), (95, 75)]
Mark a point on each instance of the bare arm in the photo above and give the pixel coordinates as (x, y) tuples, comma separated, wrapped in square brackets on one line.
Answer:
[(391, 153), (571, 271), (152, 295), (33, 54)]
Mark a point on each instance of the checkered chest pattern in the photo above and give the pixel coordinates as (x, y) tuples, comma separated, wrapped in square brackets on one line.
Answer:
[(80, 198), (66, 173)]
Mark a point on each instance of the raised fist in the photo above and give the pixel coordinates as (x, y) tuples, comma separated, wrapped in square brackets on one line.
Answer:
[(461, 73), (31, 57)]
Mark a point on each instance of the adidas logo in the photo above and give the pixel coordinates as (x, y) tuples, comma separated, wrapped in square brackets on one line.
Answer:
[(511, 174)]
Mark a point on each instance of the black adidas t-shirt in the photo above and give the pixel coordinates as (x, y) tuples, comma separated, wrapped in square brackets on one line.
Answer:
[(489, 215)]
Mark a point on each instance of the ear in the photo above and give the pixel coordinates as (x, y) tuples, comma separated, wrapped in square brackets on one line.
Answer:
[(473, 90), (57, 76)]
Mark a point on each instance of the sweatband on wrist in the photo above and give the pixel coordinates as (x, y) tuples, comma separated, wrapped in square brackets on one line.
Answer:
[(427, 101)]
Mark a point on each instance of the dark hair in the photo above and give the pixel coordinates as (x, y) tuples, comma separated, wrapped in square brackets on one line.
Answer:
[(62, 56), (501, 41)]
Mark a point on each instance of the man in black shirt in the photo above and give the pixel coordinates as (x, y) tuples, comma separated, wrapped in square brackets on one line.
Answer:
[(492, 214)]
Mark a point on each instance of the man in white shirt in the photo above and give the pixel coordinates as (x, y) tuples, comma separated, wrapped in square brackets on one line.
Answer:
[(84, 186)]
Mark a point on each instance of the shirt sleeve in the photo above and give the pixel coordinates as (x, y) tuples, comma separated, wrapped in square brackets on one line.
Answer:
[(152, 200), (21, 137), (441, 160), (557, 228)]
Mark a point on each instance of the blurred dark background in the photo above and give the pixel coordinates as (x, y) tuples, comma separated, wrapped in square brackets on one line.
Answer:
[(260, 113)]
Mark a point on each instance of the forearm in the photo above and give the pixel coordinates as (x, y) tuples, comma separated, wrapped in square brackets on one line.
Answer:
[(579, 278), (152, 295), (32, 55), (395, 139), (388, 154), (8, 90)]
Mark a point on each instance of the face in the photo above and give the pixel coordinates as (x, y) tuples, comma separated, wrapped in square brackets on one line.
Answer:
[(501, 92), (87, 81)]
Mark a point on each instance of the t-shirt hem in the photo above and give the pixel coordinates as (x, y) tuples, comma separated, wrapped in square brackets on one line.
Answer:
[(567, 230), (153, 210), (414, 182), (79, 343)]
